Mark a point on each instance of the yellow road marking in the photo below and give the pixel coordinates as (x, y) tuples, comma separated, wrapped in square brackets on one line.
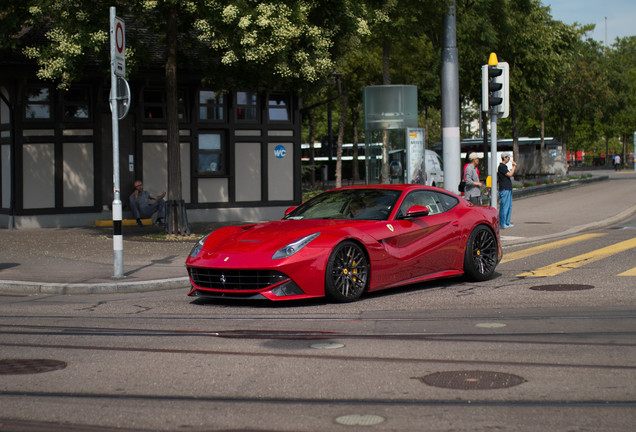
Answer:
[(581, 260), (631, 272), (538, 249)]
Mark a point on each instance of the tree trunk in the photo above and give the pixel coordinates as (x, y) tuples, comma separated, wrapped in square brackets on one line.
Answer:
[(174, 217), (542, 147), (386, 62), (386, 80), (341, 126), (564, 144), (515, 134), (312, 155), (355, 117)]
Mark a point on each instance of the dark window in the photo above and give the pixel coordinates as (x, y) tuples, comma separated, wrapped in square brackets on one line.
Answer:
[(181, 105), (278, 107), (155, 105), (211, 105), (246, 104), (211, 153), (76, 104), (38, 103)]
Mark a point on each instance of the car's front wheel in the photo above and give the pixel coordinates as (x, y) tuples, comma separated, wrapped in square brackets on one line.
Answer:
[(347, 272), (480, 259)]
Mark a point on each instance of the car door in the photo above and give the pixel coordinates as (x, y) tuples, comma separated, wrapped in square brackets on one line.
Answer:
[(427, 244)]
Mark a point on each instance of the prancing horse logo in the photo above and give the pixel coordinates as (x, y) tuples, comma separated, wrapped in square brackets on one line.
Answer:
[(223, 280)]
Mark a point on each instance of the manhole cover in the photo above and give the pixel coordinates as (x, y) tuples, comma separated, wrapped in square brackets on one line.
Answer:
[(562, 287), (29, 366), (472, 380), (359, 420)]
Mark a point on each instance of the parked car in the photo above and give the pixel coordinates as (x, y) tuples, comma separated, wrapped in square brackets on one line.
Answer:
[(348, 241)]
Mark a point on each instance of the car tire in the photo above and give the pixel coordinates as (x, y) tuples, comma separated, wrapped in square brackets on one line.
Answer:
[(480, 258), (347, 275)]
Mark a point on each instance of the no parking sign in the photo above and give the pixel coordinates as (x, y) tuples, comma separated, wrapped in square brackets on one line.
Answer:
[(119, 39)]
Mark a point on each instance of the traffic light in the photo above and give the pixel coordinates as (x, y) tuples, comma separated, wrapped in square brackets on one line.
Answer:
[(495, 87)]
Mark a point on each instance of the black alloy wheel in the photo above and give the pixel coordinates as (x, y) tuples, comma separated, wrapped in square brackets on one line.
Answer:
[(480, 259), (347, 274)]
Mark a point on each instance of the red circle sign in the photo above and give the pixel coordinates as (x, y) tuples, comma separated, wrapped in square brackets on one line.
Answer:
[(119, 37)]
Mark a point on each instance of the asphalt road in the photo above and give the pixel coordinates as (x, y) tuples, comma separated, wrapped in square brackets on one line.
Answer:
[(549, 344)]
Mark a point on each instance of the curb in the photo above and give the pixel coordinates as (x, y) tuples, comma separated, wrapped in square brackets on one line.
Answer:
[(122, 286), (20, 287), (546, 188)]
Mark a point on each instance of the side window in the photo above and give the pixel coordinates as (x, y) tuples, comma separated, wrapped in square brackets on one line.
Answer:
[(76, 104), (278, 107), (38, 103), (155, 104), (211, 105), (211, 154), (246, 106), (435, 202)]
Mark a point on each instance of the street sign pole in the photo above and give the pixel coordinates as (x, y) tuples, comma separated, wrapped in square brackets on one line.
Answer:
[(117, 44)]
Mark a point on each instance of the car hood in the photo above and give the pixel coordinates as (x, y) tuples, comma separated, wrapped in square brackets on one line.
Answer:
[(270, 236)]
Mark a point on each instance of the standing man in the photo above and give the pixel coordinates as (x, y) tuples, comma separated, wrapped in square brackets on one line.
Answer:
[(472, 192), (504, 180), (142, 207)]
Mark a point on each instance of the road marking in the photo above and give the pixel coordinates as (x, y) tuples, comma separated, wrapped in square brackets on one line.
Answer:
[(581, 260), (631, 272), (538, 249)]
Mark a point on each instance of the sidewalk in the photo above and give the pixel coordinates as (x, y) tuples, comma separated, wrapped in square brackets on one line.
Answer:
[(80, 260)]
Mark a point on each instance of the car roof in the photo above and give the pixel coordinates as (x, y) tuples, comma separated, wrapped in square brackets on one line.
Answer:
[(401, 187)]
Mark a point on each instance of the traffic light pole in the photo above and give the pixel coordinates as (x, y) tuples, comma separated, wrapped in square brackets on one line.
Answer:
[(493, 160)]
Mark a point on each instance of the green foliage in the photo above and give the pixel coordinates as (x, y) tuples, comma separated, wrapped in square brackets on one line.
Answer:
[(558, 76)]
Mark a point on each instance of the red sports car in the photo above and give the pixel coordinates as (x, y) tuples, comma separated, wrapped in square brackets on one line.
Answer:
[(346, 241)]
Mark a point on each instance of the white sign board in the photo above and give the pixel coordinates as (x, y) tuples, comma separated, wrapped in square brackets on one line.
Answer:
[(415, 155), (119, 39)]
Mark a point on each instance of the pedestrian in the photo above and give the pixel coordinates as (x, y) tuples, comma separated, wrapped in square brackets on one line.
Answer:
[(617, 162), (472, 191), (142, 207), (504, 180)]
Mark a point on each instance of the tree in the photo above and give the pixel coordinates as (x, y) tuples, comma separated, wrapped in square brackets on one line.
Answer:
[(286, 45)]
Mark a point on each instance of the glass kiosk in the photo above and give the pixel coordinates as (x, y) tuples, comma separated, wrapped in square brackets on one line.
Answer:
[(390, 114)]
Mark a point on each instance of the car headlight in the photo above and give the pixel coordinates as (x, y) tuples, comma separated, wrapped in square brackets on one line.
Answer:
[(197, 247), (294, 247)]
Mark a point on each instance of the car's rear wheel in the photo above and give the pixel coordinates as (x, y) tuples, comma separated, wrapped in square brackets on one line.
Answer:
[(347, 273), (480, 259)]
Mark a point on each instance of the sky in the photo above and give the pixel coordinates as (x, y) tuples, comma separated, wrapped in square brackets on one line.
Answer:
[(621, 16)]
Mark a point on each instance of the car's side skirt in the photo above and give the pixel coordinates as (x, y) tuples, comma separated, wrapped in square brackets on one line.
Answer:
[(438, 275)]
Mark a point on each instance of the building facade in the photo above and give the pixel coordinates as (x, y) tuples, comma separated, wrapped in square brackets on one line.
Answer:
[(240, 151)]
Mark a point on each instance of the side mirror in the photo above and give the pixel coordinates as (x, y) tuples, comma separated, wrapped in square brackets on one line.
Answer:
[(417, 211), (289, 210)]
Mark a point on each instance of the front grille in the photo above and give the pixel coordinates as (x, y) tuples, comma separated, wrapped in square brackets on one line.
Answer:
[(222, 279)]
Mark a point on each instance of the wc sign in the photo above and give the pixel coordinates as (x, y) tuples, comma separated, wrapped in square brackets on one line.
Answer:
[(280, 151)]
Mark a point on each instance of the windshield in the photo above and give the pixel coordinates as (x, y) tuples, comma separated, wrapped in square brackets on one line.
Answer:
[(361, 204)]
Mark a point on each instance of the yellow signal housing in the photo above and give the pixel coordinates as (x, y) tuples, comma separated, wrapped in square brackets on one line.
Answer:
[(492, 60)]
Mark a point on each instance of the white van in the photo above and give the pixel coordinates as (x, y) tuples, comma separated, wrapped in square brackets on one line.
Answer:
[(434, 171)]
